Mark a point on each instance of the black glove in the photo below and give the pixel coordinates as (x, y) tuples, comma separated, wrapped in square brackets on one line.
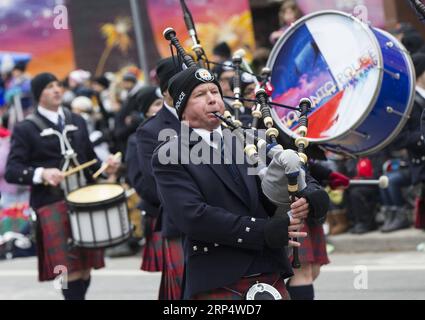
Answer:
[(319, 172), (276, 231), (318, 201)]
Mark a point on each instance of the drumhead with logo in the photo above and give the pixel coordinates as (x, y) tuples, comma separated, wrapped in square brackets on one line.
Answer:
[(336, 61)]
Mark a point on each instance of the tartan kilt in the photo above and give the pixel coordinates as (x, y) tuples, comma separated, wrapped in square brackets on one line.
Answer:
[(53, 248), (238, 290), (173, 269), (419, 213), (152, 252), (313, 247)]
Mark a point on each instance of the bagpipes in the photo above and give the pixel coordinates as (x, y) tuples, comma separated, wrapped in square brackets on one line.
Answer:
[(419, 7), (197, 48), (284, 177)]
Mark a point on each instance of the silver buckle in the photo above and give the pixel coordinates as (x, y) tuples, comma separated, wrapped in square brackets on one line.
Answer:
[(261, 288)]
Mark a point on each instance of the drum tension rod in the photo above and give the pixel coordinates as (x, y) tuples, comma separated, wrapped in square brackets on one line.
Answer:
[(395, 75), (341, 151), (391, 45), (361, 134), (391, 110)]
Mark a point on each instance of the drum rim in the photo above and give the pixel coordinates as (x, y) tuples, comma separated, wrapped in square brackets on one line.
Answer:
[(272, 59), (410, 103), (96, 203), (399, 127), (102, 244)]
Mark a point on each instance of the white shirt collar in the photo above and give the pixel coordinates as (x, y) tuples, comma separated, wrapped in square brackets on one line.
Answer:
[(52, 116), (171, 109), (421, 91), (205, 135)]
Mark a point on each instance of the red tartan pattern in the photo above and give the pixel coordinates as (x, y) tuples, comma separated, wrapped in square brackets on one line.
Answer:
[(242, 286), (152, 259), (173, 269), (313, 247), (53, 245), (419, 213)]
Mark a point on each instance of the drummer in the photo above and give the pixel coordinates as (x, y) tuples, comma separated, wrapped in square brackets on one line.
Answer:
[(35, 160)]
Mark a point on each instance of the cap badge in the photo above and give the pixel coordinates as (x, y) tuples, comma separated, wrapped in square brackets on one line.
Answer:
[(204, 75)]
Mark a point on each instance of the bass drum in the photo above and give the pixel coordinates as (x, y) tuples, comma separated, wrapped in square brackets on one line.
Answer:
[(360, 80)]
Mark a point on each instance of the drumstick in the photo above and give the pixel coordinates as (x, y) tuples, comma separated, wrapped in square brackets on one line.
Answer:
[(105, 166), (382, 182), (79, 168), (76, 169)]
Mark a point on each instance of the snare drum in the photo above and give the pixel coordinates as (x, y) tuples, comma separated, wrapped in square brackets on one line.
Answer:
[(360, 80), (98, 215)]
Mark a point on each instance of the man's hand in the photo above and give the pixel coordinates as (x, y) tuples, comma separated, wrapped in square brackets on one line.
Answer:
[(113, 165), (300, 209), (294, 226), (52, 176), (128, 120)]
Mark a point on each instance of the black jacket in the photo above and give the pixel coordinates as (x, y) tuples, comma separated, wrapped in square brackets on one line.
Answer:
[(123, 130), (412, 139), (223, 222), (146, 141)]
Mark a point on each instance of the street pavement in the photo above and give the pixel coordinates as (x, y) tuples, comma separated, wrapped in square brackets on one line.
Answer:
[(372, 276), (387, 275)]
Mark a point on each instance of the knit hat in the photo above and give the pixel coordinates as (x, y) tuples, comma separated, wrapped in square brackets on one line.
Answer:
[(246, 80), (40, 82), (419, 63), (165, 69), (145, 97), (219, 69), (103, 81), (79, 76), (4, 133), (222, 49), (183, 83), (21, 66), (129, 76)]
